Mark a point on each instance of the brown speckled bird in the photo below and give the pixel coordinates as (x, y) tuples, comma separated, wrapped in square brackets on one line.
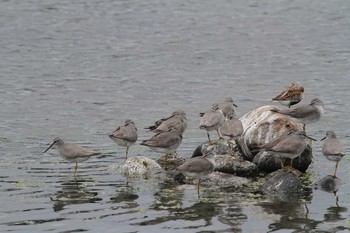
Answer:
[(290, 95)]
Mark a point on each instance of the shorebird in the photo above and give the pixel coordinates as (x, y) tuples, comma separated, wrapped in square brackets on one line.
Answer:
[(333, 149), (232, 127), (225, 106), (289, 145), (125, 135), (304, 114), (212, 120), (164, 142), (71, 152), (199, 167), (176, 120), (290, 95)]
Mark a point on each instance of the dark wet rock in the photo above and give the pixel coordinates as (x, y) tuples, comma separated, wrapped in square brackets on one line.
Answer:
[(221, 147), (269, 162), (284, 186), (329, 184), (234, 164)]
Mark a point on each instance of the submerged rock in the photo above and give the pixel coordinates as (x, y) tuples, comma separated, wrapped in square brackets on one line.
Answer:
[(216, 179)]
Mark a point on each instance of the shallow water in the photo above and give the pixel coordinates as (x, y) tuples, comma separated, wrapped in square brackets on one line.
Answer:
[(78, 69)]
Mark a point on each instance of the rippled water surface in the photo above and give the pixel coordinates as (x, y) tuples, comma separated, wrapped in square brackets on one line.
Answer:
[(78, 69)]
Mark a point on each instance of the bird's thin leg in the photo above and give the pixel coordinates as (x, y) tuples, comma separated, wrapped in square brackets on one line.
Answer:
[(219, 135), (335, 171), (198, 184), (126, 154), (209, 137), (304, 127), (166, 162), (75, 169)]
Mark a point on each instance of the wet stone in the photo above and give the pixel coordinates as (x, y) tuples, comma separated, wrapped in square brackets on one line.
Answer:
[(138, 167), (269, 162), (233, 164), (283, 185)]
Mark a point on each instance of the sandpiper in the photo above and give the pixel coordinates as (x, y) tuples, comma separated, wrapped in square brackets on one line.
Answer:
[(289, 145), (176, 120), (225, 106), (164, 142), (199, 167), (212, 120), (232, 127), (290, 95), (333, 149), (71, 152), (125, 135), (304, 114)]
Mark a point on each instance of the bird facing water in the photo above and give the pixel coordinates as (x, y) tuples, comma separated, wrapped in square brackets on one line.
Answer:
[(125, 135), (71, 152), (333, 149)]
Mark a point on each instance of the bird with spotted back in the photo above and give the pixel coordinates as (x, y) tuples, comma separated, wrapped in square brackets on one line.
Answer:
[(71, 152), (290, 95), (125, 135)]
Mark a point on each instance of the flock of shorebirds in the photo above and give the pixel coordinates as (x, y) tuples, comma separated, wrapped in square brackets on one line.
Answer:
[(222, 119)]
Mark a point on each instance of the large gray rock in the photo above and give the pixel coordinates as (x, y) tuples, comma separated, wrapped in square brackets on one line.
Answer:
[(262, 126)]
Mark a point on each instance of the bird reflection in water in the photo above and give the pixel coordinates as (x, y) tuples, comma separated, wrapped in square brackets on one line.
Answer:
[(73, 192)]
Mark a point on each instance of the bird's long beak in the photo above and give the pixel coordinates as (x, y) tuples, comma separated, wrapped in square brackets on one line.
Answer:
[(310, 138), (324, 138), (49, 147), (235, 105)]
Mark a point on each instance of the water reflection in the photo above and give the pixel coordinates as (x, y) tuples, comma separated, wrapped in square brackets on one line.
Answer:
[(332, 185), (73, 192)]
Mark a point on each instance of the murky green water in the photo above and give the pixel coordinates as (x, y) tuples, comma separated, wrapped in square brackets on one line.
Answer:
[(78, 69)]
